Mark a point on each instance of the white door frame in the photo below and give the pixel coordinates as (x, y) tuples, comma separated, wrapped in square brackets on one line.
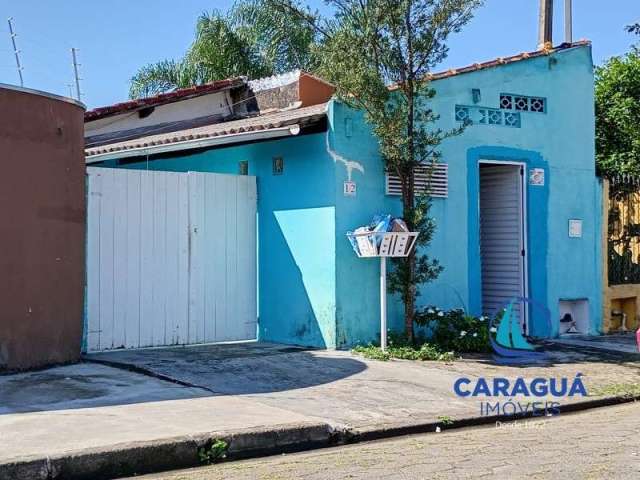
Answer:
[(523, 226)]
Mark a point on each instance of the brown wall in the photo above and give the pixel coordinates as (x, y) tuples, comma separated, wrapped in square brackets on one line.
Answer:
[(42, 229), (314, 91)]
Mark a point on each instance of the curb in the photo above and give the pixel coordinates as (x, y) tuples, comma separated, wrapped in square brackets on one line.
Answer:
[(182, 452), (169, 454), (379, 433)]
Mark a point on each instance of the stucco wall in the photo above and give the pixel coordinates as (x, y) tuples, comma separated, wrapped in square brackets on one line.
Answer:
[(42, 227), (313, 290), (296, 232), (561, 141)]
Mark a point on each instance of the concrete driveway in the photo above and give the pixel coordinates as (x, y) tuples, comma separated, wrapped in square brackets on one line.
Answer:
[(117, 401), (340, 388)]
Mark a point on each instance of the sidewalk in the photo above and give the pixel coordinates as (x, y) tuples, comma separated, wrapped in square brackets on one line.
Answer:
[(95, 421)]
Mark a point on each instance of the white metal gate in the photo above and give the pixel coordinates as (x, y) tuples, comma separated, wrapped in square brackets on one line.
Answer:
[(502, 239), (171, 258)]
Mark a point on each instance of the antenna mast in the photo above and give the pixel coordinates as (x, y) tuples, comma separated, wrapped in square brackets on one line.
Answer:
[(16, 52), (75, 72)]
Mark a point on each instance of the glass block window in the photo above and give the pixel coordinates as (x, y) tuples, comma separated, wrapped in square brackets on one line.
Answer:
[(487, 116), (522, 103), (512, 119), (537, 104), (506, 102), (495, 117), (462, 114)]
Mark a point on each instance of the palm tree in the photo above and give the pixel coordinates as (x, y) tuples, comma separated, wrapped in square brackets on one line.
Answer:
[(247, 41)]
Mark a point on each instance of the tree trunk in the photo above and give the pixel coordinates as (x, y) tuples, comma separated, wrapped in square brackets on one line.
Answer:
[(408, 198), (409, 287)]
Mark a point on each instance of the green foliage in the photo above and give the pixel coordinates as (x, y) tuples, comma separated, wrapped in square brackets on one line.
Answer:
[(213, 451), (454, 330), (364, 49), (445, 419), (618, 115), (400, 347), (617, 96), (424, 269), (627, 390), (635, 28), (251, 39)]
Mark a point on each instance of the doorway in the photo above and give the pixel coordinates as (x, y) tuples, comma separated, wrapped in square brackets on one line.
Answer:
[(503, 249)]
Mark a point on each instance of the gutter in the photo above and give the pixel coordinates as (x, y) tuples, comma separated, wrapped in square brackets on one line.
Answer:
[(289, 130)]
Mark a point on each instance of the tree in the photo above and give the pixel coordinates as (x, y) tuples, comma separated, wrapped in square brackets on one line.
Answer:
[(378, 54), (252, 39), (635, 28), (617, 96)]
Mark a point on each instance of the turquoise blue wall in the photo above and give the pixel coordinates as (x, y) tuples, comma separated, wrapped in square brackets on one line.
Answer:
[(314, 291), (561, 141), (296, 225)]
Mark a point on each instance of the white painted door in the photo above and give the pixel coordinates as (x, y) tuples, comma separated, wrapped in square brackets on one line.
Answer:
[(502, 249), (171, 258)]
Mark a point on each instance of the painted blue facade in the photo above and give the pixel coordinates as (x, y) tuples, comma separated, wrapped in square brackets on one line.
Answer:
[(314, 291)]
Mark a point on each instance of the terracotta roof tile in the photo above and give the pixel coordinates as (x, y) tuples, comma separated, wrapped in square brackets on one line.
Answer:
[(506, 60), (163, 98), (261, 122)]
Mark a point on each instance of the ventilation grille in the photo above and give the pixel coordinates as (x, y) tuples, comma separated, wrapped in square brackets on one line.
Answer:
[(432, 180)]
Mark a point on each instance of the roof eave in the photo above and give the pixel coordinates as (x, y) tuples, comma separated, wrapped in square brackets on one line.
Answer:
[(289, 130)]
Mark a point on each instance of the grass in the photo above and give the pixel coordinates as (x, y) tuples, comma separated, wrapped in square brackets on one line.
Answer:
[(422, 352), (618, 390)]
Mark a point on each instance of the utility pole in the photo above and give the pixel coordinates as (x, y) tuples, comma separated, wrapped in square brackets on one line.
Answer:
[(16, 52), (75, 72), (545, 25), (568, 22)]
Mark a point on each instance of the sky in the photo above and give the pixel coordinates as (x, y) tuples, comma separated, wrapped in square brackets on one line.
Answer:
[(116, 37)]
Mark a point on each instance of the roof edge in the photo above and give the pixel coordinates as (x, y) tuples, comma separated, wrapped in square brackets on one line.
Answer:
[(164, 98), (501, 61), (42, 93)]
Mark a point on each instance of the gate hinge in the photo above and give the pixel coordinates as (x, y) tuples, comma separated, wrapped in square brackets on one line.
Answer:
[(522, 252)]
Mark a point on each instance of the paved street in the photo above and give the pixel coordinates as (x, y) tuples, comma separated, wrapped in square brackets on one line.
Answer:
[(601, 443)]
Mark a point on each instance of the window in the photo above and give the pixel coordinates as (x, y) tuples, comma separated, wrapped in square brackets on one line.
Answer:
[(472, 115), (431, 179), (522, 103)]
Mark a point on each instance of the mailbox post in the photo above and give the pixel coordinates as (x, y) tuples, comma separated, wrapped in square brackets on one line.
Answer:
[(383, 245)]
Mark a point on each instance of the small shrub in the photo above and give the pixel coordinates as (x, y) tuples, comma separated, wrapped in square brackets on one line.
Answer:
[(372, 352), (400, 349), (453, 330), (213, 451)]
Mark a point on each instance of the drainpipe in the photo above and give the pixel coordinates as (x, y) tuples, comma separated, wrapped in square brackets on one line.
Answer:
[(545, 25)]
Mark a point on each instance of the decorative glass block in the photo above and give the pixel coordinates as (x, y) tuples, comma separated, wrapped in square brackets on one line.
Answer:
[(506, 102), (462, 114), (537, 104), (512, 119), (522, 103), (495, 117), (470, 114)]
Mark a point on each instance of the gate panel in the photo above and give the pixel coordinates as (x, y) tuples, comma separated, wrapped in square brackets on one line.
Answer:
[(171, 258)]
